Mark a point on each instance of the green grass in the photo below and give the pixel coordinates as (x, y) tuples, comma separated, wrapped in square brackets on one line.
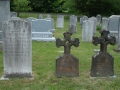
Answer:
[(44, 56)]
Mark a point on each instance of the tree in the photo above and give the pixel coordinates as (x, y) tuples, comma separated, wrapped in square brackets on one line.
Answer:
[(21, 6), (94, 7), (47, 5)]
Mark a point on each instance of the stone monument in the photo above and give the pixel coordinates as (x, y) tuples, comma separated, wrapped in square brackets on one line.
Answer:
[(103, 62), (17, 49), (67, 64)]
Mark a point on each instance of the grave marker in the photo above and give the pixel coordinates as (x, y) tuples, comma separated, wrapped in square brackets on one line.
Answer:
[(67, 64), (17, 49), (103, 62), (60, 21)]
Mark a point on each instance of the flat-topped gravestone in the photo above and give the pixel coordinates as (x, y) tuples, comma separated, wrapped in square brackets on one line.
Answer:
[(4, 13), (103, 62), (41, 30), (105, 23), (17, 49), (52, 24), (60, 21), (87, 30), (95, 23), (113, 26), (67, 64)]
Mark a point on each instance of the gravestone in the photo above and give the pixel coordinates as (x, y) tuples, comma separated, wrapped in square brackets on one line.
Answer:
[(67, 64), (113, 26), (105, 22), (52, 24), (98, 19), (4, 16), (48, 16), (40, 16), (95, 23), (14, 18), (118, 48), (103, 62), (17, 49), (41, 30), (60, 21), (13, 14), (73, 23), (87, 30), (83, 19)]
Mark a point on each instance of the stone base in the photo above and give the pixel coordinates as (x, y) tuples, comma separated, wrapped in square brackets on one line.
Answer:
[(117, 50), (104, 77), (44, 39), (96, 50), (21, 76)]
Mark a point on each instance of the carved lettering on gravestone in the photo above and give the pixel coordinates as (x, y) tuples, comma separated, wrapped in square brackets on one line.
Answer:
[(67, 64), (103, 62)]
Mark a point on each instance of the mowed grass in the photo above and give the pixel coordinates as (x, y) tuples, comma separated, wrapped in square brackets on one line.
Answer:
[(44, 56)]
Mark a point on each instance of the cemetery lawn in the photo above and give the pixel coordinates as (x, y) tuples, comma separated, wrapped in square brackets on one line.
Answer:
[(44, 56)]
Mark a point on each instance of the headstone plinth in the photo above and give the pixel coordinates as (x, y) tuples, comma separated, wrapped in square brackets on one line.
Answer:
[(67, 64), (103, 62)]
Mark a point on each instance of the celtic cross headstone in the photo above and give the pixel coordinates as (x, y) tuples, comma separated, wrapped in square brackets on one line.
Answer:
[(67, 64), (103, 62)]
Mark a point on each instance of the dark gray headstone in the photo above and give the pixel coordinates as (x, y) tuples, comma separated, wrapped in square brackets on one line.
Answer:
[(103, 62), (17, 49), (67, 64)]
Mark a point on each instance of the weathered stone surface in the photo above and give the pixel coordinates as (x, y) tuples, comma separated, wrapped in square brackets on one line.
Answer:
[(17, 49), (67, 64), (103, 62)]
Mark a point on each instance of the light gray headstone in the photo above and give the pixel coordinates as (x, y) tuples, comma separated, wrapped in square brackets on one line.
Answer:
[(95, 23), (105, 22), (41, 25), (13, 14), (17, 49), (113, 26), (60, 21), (52, 24), (14, 18), (48, 16), (73, 24), (98, 19), (83, 19), (4, 13), (87, 30), (40, 16)]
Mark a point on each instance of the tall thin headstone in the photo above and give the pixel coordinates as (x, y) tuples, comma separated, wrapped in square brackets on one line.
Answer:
[(73, 23), (17, 49), (67, 64), (105, 22), (4, 16), (98, 19), (60, 21), (103, 62), (87, 30)]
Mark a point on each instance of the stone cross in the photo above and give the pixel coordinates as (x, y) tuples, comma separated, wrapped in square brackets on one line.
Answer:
[(67, 42), (102, 62), (104, 40), (67, 64)]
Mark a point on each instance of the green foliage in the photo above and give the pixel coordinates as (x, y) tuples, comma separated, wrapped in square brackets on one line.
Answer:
[(21, 5), (47, 5)]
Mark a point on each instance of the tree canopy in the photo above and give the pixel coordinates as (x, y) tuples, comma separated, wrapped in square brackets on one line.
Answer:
[(88, 7)]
